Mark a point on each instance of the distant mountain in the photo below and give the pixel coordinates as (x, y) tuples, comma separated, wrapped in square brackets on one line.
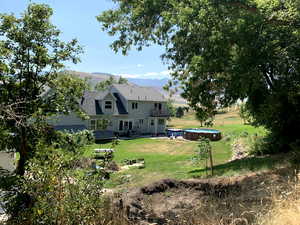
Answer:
[(148, 82), (93, 78)]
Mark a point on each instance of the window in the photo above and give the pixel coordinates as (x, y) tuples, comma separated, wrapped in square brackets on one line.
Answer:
[(161, 121), (125, 125), (130, 125), (121, 125), (141, 121), (152, 122), (134, 105), (93, 125), (108, 105), (157, 106), (99, 124)]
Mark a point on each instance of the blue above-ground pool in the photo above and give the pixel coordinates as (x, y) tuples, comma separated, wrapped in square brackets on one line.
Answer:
[(195, 134), (174, 132)]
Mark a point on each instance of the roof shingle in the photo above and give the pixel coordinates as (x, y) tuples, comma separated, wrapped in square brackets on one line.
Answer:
[(138, 93)]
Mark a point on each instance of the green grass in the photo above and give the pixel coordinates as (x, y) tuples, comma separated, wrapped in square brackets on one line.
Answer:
[(166, 158)]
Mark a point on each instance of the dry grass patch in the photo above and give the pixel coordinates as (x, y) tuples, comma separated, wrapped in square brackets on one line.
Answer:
[(285, 209), (172, 147), (189, 120)]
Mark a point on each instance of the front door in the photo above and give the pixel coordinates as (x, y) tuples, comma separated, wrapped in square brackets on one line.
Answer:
[(121, 125), (152, 125), (130, 125)]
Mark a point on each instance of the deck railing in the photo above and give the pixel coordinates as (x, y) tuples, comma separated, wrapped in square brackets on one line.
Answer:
[(159, 113)]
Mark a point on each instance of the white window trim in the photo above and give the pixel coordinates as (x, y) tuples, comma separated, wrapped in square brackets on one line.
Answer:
[(125, 120), (111, 104)]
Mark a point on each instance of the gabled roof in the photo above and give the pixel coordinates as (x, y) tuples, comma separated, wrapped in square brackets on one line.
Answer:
[(90, 102), (120, 106), (138, 93)]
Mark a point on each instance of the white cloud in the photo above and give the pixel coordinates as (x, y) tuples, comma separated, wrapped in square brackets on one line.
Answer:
[(139, 65), (149, 75), (166, 73), (129, 75)]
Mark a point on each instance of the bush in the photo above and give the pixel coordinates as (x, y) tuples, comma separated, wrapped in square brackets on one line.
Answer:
[(54, 192), (245, 114), (74, 140), (203, 153), (171, 108), (179, 112)]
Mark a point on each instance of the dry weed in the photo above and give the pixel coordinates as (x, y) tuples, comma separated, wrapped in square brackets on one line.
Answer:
[(285, 208)]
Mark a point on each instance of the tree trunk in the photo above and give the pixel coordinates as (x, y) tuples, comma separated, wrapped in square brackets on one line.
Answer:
[(23, 151)]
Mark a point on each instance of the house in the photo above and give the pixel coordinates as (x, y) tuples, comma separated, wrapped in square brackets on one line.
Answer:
[(127, 108)]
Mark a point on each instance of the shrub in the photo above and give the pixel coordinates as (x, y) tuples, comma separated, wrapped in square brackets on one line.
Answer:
[(245, 114), (179, 112), (73, 141), (54, 192), (171, 108), (203, 153)]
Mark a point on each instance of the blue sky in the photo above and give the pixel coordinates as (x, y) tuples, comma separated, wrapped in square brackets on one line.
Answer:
[(77, 19)]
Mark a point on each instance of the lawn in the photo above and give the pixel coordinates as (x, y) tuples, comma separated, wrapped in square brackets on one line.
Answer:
[(165, 158)]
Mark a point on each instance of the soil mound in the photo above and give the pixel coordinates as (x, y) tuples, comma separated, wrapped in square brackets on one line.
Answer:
[(171, 201)]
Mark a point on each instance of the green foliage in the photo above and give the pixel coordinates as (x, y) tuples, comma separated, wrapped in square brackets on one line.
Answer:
[(54, 192), (32, 86), (72, 142), (102, 124), (222, 51), (203, 153), (122, 80), (245, 114), (204, 119), (171, 108), (104, 85), (179, 112)]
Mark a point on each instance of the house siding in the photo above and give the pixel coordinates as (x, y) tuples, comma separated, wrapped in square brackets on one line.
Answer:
[(143, 112), (140, 117), (111, 111)]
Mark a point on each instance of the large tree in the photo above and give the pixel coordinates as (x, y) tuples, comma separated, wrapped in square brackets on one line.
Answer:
[(222, 51), (104, 85), (31, 58)]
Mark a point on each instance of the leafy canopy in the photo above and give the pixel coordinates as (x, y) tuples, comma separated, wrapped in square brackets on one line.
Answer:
[(104, 85), (32, 86), (222, 51)]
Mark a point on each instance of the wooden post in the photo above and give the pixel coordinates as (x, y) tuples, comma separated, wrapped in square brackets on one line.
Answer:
[(211, 162)]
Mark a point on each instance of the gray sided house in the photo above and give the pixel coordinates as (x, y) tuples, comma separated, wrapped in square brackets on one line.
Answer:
[(128, 108)]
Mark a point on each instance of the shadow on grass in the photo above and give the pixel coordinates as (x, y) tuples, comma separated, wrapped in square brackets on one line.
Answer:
[(246, 164)]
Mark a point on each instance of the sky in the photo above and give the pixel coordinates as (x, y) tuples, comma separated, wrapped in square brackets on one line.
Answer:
[(77, 19)]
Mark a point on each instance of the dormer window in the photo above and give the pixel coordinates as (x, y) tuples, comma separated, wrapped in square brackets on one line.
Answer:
[(108, 105)]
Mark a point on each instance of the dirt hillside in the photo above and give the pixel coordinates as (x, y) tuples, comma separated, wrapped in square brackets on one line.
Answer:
[(196, 201)]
